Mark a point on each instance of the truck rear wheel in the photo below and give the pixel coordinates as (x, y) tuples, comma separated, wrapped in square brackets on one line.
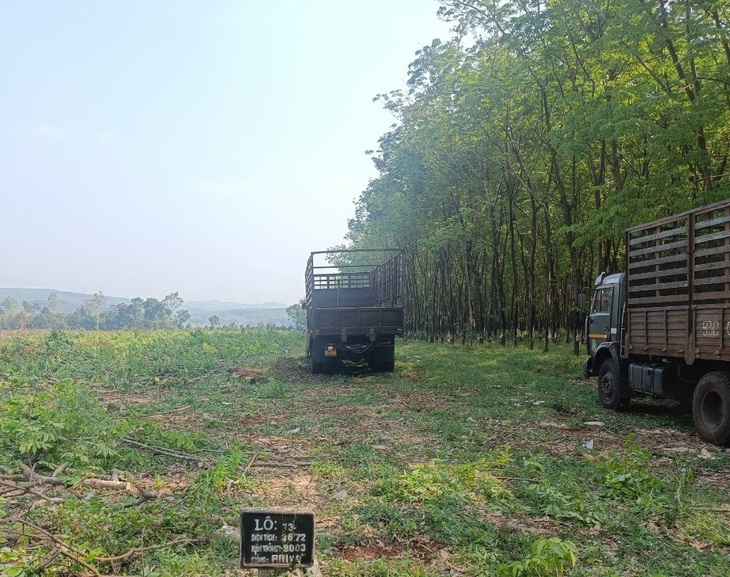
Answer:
[(711, 407), (609, 388)]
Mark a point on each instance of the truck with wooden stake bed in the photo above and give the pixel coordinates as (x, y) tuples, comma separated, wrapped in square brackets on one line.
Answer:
[(354, 304), (662, 327)]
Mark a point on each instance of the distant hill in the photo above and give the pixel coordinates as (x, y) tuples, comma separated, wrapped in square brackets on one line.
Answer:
[(200, 311), (68, 302), (245, 315), (223, 305)]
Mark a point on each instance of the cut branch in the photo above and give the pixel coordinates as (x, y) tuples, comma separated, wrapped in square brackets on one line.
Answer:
[(140, 550), (66, 550), (162, 450), (37, 479)]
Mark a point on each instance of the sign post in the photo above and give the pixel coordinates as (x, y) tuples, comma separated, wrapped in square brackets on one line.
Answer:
[(276, 539)]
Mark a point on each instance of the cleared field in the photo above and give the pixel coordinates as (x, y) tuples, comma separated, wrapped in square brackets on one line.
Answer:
[(134, 452)]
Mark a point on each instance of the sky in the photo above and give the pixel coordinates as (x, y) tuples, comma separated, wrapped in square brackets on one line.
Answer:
[(198, 146)]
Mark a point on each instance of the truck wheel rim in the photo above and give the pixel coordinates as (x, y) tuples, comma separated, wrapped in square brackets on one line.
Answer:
[(607, 386)]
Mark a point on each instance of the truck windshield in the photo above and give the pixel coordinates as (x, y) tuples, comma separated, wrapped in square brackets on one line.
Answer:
[(602, 301)]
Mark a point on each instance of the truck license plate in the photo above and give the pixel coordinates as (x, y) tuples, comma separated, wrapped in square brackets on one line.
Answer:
[(330, 352)]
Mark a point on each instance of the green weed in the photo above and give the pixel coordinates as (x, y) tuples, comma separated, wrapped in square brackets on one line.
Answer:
[(55, 423), (227, 475), (382, 567), (567, 503), (548, 557), (631, 481), (435, 481), (272, 389)]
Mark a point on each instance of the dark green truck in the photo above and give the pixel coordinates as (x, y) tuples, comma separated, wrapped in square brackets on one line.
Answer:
[(354, 303), (662, 327)]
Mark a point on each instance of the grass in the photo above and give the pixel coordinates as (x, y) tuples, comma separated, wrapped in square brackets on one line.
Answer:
[(481, 460)]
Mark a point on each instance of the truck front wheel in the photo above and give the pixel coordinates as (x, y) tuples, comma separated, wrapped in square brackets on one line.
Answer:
[(609, 388), (711, 407)]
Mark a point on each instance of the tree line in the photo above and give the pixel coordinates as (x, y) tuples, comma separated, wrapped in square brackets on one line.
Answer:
[(528, 142), (149, 313)]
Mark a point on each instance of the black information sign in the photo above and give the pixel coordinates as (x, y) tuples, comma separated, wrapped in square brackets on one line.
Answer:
[(277, 539)]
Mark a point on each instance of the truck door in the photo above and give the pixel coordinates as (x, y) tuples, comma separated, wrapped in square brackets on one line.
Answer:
[(599, 319)]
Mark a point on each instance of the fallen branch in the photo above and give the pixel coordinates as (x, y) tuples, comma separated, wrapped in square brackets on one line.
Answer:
[(37, 478), (66, 550), (281, 465), (54, 554), (521, 479), (12, 487), (713, 509), (13, 477), (162, 450), (164, 413), (250, 464), (140, 550), (94, 483), (29, 490), (105, 484), (143, 495)]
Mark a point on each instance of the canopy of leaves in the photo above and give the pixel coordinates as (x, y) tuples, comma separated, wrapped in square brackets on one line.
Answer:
[(527, 143)]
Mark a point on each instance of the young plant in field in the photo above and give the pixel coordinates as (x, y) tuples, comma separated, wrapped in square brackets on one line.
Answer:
[(549, 557), (567, 503), (433, 481), (56, 423), (226, 476), (14, 561), (631, 481), (151, 434)]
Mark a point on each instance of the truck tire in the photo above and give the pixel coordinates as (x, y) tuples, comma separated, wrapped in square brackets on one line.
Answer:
[(711, 407), (609, 388), (317, 367)]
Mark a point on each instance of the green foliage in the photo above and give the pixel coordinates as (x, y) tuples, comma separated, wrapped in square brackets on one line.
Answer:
[(396, 520), (151, 434), (226, 475), (521, 156), (377, 568), (13, 562), (709, 526), (454, 463), (129, 358), (139, 313), (272, 389), (55, 423), (568, 503), (548, 557), (630, 480), (435, 482), (297, 315)]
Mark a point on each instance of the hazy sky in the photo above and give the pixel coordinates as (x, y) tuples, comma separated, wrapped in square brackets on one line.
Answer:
[(199, 146)]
